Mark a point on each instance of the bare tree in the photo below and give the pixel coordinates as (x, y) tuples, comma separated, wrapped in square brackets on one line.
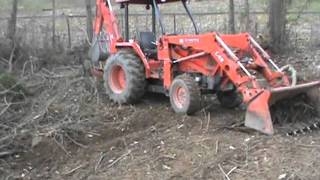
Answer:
[(247, 15), (11, 34), (53, 23), (12, 24), (277, 24), (89, 19), (232, 29)]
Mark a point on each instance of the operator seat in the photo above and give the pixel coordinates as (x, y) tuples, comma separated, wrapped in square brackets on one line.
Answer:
[(147, 42)]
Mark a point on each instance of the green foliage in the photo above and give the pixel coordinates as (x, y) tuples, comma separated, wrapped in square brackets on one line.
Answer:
[(305, 5), (9, 83), (315, 5)]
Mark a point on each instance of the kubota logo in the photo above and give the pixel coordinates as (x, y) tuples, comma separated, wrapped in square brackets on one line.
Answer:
[(189, 40), (219, 56)]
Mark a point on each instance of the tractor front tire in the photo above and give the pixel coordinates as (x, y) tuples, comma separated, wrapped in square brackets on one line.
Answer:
[(124, 77), (229, 99), (185, 95)]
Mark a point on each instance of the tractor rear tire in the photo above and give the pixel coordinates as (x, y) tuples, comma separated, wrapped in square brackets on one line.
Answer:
[(185, 95), (229, 99), (124, 77)]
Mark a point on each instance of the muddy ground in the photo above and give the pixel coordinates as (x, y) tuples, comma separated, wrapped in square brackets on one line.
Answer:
[(67, 129)]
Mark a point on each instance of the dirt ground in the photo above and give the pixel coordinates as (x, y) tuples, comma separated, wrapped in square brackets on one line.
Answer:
[(72, 131)]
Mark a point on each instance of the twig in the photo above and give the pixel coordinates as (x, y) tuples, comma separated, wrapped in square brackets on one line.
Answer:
[(9, 89), (5, 60), (224, 173), (309, 146), (31, 66), (75, 142), (217, 146), (119, 158), (29, 119), (74, 169), (232, 170), (85, 32), (5, 109), (102, 155), (6, 153), (61, 146), (126, 145), (208, 123), (11, 57)]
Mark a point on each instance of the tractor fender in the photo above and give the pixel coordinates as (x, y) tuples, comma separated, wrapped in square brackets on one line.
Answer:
[(139, 52)]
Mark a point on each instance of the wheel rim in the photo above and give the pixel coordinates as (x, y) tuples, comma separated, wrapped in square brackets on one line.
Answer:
[(180, 97), (117, 79)]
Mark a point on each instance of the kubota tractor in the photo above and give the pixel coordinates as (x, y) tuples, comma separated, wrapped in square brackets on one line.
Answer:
[(185, 66)]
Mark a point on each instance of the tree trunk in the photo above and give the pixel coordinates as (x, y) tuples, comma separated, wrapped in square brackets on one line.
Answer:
[(69, 31), (277, 24), (247, 15), (12, 24), (53, 23), (232, 29), (89, 20)]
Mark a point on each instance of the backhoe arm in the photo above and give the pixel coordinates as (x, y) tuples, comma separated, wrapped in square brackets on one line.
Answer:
[(105, 17)]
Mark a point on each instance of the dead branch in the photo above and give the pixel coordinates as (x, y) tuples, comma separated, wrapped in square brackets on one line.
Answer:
[(29, 119), (31, 66), (11, 88), (74, 169), (61, 147), (4, 60), (5, 109), (217, 146), (6, 153), (119, 158), (85, 32), (75, 142), (309, 145), (7, 106), (208, 122), (10, 61), (102, 155), (232, 170), (223, 172)]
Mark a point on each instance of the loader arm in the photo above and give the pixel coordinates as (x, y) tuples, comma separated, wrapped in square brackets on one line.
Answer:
[(238, 60), (258, 65)]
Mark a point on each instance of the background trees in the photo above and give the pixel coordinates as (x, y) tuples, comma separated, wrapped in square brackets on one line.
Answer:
[(277, 24), (13, 21)]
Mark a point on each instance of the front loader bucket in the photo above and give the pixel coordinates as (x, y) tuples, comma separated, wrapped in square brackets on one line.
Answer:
[(258, 114)]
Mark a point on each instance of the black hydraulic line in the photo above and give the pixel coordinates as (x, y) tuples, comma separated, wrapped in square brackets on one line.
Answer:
[(157, 12), (196, 29), (126, 18)]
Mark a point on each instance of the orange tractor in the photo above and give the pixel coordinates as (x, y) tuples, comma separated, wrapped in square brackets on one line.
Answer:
[(185, 66)]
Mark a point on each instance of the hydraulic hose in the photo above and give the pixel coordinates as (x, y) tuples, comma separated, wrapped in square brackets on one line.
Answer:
[(293, 72)]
